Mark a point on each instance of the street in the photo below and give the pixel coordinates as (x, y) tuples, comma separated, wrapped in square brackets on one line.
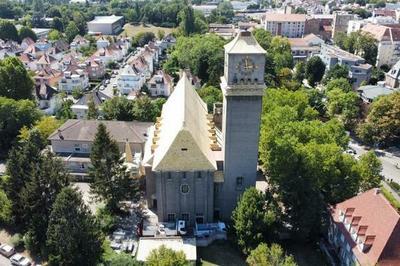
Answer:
[(4, 261), (389, 160)]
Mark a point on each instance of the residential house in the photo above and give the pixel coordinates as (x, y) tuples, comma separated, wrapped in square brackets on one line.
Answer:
[(46, 97), (161, 84), (79, 42), (29, 61), (392, 78), (34, 51), (340, 22), (365, 230), (141, 65), (306, 47), (74, 78), (130, 79), (95, 68), (226, 31), (80, 108), (26, 42), (43, 44), (102, 42), (369, 93), (287, 25), (48, 76), (73, 141), (9, 48), (388, 40), (108, 54), (359, 71), (46, 61), (320, 25)]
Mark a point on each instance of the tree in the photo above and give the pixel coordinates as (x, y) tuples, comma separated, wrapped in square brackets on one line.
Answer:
[(48, 178), (73, 236), (203, 55), (336, 72), (360, 43), (57, 24), (254, 219), (65, 111), (142, 38), (343, 104), (22, 160), (382, 126), (25, 32), (210, 95), (14, 115), (46, 125), (299, 72), (144, 109), (164, 257), (15, 81), (369, 168), (160, 34), (5, 208), (315, 70), (71, 31), (339, 83), (92, 110), (8, 31), (281, 53), (54, 35), (269, 256), (118, 108), (187, 25), (111, 182)]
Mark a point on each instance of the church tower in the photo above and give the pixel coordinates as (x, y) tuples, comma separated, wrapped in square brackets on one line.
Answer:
[(243, 87)]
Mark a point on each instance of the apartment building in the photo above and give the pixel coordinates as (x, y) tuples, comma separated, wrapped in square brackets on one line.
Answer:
[(287, 25)]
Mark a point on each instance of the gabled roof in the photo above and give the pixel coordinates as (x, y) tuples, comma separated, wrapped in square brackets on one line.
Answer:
[(44, 91), (183, 143), (85, 130), (373, 215), (96, 96), (244, 43)]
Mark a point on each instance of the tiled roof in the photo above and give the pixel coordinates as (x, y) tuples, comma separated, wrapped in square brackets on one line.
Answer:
[(44, 91), (285, 17), (96, 96), (376, 222), (85, 130)]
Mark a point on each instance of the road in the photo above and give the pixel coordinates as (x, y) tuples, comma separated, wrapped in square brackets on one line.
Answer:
[(4, 261), (389, 159)]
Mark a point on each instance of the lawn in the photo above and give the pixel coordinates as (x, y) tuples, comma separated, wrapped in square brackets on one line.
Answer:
[(131, 30), (220, 253)]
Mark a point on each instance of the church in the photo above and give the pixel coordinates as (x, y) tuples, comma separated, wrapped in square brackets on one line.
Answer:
[(194, 170)]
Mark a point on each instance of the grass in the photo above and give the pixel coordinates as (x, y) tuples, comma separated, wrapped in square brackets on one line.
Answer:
[(220, 253), (131, 30), (388, 195)]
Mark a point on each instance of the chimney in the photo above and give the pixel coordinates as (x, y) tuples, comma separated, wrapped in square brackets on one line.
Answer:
[(60, 135)]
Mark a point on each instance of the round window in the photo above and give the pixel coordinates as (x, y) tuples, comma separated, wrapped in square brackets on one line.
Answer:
[(185, 188)]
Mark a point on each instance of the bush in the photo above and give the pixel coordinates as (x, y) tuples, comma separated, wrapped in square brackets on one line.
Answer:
[(17, 240), (388, 195), (395, 186)]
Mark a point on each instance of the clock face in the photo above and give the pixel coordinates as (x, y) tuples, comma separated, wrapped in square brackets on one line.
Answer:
[(246, 66)]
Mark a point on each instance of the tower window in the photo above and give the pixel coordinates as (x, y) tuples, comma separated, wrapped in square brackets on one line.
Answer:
[(171, 217), (185, 188), (239, 182), (169, 177), (198, 174), (184, 149)]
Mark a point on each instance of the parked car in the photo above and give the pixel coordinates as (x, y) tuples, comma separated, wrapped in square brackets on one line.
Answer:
[(19, 260), (7, 250)]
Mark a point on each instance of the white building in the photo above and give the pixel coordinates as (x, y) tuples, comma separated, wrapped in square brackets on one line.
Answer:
[(130, 79), (287, 25), (109, 25), (160, 84), (73, 79), (306, 47), (388, 40), (356, 25)]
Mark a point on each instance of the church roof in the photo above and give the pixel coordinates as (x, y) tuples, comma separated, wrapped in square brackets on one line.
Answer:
[(182, 134), (244, 43)]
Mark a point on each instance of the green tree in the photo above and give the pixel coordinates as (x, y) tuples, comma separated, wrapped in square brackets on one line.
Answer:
[(187, 18), (71, 31), (339, 83), (111, 182), (382, 126), (299, 71), (55, 35), (142, 38), (5, 208), (118, 108), (164, 256), (46, 125), (269, 256), (281, 53), (344, 105), (15, 81), (255, 218), (22, 161), (336, 72), (210, 95), (8, 31), (369, 168), (123, 259), (25, 32), (92, 110), (73, 236), (314, 70), (144, 109), (48, 178), (65, 111), (14, 115)]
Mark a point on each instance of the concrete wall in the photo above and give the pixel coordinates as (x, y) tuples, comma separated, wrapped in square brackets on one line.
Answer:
[(198, 201), (241, 126)]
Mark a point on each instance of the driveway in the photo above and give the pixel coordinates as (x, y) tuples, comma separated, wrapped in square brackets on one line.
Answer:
[(4, 261), (84, 188)]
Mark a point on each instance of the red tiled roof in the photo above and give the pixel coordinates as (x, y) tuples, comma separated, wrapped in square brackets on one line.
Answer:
[(376, 222)]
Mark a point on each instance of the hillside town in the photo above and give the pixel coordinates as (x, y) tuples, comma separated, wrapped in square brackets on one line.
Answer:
[(177, 132)]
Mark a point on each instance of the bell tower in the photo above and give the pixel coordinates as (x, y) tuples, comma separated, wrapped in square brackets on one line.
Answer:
[(243, 87)]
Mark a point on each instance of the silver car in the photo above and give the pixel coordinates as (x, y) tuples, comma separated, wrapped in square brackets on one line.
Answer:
[(7, 250), (19, 260)]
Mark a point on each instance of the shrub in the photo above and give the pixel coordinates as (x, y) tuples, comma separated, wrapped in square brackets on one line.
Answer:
[(17, 240), (106, 219)]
